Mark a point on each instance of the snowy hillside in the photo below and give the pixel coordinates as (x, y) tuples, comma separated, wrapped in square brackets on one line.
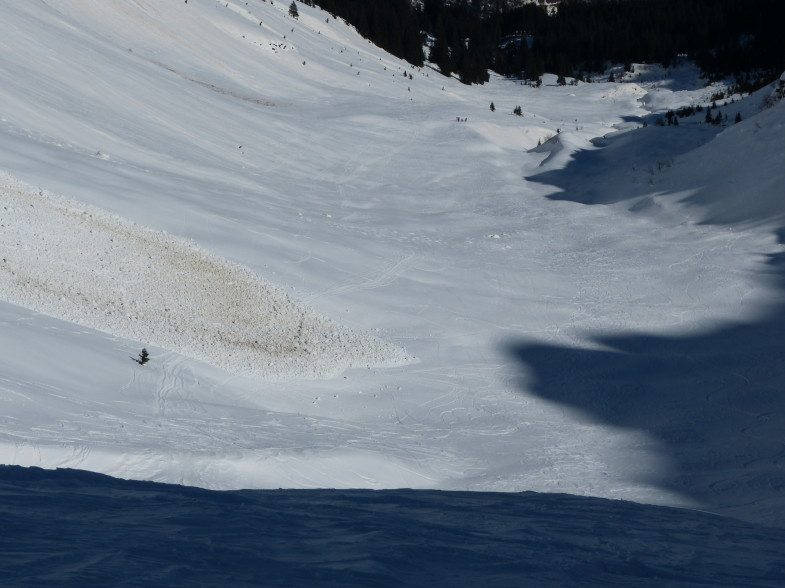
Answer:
[(351, 273), (123, 533)]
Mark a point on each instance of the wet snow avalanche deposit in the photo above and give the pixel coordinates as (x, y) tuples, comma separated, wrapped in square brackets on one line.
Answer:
[(84, 265)]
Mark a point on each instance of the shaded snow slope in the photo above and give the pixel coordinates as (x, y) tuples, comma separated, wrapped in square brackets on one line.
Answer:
[(139, 534), (79, 263), (298, 150), (724, 381), (738, 177)]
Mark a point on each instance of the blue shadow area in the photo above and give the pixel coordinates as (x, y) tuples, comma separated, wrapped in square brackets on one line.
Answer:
[(714, 403), (625, 165), (69, 528)]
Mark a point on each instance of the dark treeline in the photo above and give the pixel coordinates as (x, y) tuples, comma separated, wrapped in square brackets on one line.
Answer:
[(390, 24), (722, 36), (470, 37)]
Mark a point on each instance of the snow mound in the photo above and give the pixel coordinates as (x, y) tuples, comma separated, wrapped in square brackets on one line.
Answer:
[(85, 265), (777, 92), (737, 177), (559, 149), (121, 533)]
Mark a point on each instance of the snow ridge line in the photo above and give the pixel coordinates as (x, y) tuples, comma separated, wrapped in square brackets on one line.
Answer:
[(82, 264)]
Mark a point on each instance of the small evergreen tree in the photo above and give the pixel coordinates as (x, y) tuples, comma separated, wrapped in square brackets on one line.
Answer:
[(143, 358), (293, 12), (738, 118), (493, 107)]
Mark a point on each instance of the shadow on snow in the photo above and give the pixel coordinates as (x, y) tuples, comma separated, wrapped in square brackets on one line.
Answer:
[(714, 403), (71, 528), (622, 168)]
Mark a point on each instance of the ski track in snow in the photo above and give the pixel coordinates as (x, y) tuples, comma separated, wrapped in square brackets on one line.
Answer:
[(81, 264)]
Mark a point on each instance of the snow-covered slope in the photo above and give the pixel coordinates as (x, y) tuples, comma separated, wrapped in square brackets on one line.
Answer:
[(738, 177), (79, 263), (296, 156), (122, 533)]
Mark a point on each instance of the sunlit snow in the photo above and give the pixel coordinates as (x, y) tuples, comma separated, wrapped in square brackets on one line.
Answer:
[(350, 278)]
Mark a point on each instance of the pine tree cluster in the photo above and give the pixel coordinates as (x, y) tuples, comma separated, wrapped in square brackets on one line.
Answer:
[(470, 37), (390, 24)]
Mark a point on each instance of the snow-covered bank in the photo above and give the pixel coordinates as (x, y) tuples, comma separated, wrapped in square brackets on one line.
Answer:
[(82, 264), (76, 529)]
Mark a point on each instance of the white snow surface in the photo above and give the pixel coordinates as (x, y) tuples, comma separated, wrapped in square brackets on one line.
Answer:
[(249, 174)]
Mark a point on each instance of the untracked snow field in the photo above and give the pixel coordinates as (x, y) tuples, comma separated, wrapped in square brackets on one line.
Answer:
[(350, 273)]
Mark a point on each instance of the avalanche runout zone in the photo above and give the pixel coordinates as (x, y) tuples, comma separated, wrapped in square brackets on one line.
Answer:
[(85, 265)]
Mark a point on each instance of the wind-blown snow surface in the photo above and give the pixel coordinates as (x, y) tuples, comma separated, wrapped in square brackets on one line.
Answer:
[(302, 153), (122, 533)]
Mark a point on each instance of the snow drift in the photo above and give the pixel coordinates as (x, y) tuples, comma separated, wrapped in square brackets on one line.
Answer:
[(124, 534)]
